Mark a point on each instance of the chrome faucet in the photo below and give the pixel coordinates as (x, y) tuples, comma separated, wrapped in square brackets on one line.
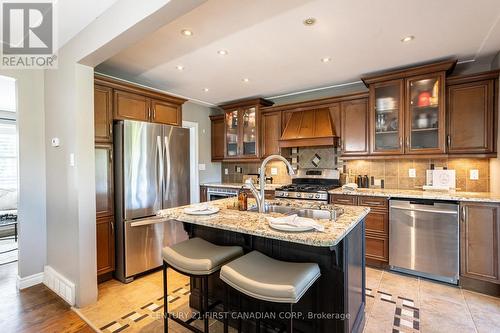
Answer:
[(260, 196)]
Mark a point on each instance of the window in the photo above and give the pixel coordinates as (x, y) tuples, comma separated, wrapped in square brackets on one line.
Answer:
[(8, 144)]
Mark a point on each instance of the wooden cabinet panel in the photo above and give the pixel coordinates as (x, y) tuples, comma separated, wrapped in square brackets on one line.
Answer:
[(354, 124), (377, 222), (166, 113), (105, 242), (217, 135), (377, 248), (131, 106), (479, 241), (203, 194), (271, 133), (470, 117), (103, 113), (104, 179), (343, 199), (373, 202)]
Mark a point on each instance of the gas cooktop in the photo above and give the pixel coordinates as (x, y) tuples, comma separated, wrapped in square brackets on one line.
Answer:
[(310, 184)]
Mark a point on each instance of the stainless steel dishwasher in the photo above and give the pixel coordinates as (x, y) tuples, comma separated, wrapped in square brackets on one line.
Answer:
[(423, 238)]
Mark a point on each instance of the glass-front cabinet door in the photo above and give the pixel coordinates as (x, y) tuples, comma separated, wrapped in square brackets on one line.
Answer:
[(425, 114), (232, 131), (387, 117), (249, 132)]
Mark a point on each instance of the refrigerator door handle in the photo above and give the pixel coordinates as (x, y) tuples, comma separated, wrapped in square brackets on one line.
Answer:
[(160, 161), (168, 162), (148, 221)]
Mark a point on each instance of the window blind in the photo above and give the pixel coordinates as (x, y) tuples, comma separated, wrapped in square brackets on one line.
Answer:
[(8, 156)]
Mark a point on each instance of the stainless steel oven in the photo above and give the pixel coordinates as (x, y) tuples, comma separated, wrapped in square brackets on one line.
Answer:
[(216, 193)]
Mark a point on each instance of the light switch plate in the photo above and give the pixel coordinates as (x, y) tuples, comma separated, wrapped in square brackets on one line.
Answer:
[(55, 142), (474, 174), (202, 166), (72, 160), (412, 173), (226, 171), (274, 171)]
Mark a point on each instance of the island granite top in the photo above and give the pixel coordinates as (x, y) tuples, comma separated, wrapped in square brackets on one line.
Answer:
[(253, 223), (421, 194)]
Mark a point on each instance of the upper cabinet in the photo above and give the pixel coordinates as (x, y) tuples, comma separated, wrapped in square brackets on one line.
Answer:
[(355, 125), (271, 133), (130, 102), (103, 113), (407, 110), (242, 129), (387, 117), (472, 108), (217, 132)]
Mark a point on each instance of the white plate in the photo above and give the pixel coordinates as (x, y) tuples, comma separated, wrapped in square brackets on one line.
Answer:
[(194, 211), (290, 228)]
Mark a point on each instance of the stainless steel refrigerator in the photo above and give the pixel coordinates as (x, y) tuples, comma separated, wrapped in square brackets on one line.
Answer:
[(151, 173)]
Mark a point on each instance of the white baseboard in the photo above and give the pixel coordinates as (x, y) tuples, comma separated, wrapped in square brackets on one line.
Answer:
[(29, 281), (59, 284)]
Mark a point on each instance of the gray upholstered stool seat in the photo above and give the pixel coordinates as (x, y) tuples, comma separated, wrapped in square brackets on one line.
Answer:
[(198, 257), (264, 278)]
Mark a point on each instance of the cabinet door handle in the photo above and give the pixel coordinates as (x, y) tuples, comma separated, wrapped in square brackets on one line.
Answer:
[(154, 112), (110, 129), (149, 113), (112, 228), (400, 142), (449, 140), (408, 142), (463, 214)]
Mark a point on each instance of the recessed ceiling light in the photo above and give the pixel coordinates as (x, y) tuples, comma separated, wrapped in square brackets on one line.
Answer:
[(179, 67), (309, 21), (186, 32), (245, 79), (326, 59), (407, 39), (222, 52), (205, 89)]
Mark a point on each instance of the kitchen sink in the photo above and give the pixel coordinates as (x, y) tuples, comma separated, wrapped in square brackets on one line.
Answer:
[(302, 212)]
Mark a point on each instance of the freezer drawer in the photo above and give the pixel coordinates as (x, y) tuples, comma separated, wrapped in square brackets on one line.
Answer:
[(144, 240), (423, 239)]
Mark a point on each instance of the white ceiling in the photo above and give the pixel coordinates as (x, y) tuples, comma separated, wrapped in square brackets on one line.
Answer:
[(74, 15), (268, 44)]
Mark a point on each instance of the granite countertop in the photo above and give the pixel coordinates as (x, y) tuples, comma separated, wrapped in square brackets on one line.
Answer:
[(421, 194), (269, 187), (253, 223)]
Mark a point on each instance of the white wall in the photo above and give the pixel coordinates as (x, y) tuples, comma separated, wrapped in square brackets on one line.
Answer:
[(199, 114), (31, 207)]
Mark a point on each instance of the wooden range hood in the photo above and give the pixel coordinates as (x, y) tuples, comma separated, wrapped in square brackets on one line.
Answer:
[(309, 128)]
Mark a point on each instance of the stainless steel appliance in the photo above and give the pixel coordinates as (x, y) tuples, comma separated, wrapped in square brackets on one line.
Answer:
[(310, 184), (423, 238), (216, 193), (151, 173)]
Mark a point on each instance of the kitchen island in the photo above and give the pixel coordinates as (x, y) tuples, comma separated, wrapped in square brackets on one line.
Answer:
[(338, 299)]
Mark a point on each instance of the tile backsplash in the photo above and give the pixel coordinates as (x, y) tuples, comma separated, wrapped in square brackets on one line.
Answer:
[(234, 176), (395, 172)]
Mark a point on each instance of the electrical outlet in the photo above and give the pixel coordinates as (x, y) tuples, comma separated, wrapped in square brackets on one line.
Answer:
[(202, 167), (377, 182), (274, 171), (412, 173), (237, 169), (226, 171), (474, 174)]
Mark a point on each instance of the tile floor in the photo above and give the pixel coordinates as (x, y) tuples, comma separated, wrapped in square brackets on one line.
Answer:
[(395, 303)]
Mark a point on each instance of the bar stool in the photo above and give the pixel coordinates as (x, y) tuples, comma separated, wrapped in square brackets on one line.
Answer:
[(263, 278), (195, 257)]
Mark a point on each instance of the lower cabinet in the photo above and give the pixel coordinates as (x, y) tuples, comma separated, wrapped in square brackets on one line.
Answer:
[(376, 224), (479, 241), (105, 243), (203, 194)]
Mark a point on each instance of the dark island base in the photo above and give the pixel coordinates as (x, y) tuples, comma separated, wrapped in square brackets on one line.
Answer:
[(338, 295)]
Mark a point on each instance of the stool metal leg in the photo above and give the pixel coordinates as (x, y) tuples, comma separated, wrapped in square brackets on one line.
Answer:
[(205, 302), (225, 308), (165, 301), (289, 324)]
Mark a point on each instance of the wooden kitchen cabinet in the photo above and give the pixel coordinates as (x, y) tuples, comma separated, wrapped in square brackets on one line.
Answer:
[(130, 106), (217, 137), (203, 194), (104, 179), (355, 127), (479, 241), (105, 243), (103, 114), (472, 110), (271, 133), (242, 129), (167, 113), (376, 224)]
